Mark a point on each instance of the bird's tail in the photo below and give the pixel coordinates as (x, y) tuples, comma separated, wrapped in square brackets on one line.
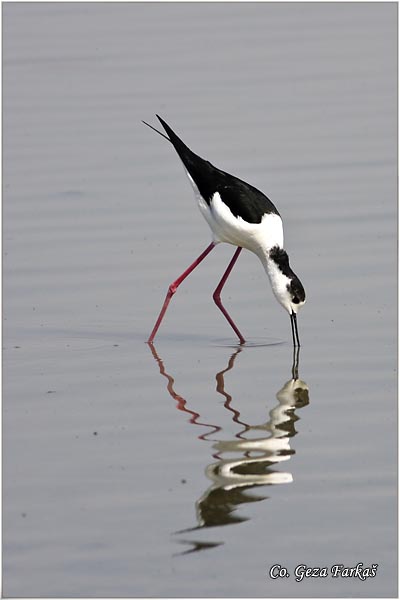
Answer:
[(183, 151), (154, 129)]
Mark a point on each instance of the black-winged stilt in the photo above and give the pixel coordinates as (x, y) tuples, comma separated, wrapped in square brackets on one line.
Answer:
[(241, 215)]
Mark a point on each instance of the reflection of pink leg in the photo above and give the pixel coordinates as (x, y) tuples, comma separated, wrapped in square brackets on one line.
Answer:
[(174, 286), (217, 295)]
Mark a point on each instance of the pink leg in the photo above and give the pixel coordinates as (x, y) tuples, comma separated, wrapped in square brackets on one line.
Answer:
[(217, 295), (174, 286)]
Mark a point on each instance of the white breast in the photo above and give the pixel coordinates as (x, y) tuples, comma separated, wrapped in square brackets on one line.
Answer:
[(257, 237), (225, 227)]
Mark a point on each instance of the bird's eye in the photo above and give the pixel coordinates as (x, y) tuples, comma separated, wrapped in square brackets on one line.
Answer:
[(296, 300)]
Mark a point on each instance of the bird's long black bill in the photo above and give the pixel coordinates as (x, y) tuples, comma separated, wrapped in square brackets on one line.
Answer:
[(295, 331)]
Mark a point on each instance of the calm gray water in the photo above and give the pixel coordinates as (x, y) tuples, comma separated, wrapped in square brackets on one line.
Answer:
[(192, 467)]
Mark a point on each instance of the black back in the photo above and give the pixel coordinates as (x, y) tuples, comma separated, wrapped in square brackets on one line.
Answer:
[(243, 199)]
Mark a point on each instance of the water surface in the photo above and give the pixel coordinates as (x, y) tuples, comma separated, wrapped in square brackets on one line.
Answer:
[(191, 467)]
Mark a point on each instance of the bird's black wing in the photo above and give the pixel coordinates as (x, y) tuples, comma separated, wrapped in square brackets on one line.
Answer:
[(242, 199)]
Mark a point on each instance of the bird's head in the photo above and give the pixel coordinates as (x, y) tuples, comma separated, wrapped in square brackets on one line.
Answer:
[(286, 286), (296, 295)]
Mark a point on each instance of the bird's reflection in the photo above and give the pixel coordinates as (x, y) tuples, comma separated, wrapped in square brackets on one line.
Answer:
[(249, 459)]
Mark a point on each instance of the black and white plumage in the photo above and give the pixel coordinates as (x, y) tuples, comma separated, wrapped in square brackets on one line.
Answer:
[(241, 215)]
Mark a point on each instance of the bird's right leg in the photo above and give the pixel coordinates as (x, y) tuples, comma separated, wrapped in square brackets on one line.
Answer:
[(217, 295), (174, 286)]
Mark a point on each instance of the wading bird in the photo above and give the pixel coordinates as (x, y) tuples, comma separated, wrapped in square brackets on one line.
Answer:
[(241, 215)]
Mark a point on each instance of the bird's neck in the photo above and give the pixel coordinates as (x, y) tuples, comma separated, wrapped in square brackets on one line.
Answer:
[(276, 264), (266, 255)]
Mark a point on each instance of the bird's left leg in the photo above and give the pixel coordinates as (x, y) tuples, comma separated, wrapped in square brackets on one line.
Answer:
[(217, 295), (174, 286)]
